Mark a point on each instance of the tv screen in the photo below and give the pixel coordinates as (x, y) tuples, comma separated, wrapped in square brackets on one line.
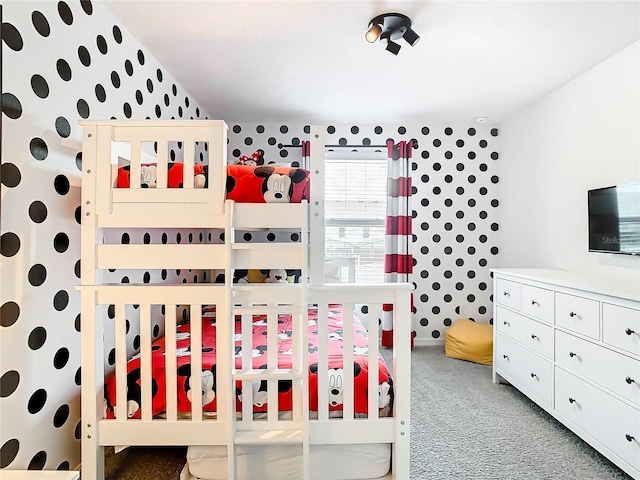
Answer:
[(614, 219)]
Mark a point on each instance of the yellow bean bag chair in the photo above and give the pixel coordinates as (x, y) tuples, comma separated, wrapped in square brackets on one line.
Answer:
[(468, 340)]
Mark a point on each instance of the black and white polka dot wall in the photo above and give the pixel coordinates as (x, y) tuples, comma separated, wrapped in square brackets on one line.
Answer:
[(62, 62), (455, 181)]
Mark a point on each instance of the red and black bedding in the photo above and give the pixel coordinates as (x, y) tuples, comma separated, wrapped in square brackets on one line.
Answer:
[(259, 357), (245, 183)]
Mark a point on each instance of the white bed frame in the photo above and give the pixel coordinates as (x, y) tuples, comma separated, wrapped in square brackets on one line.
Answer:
[(104, 206)]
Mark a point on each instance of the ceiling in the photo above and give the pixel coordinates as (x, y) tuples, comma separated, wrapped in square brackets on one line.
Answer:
[(308, 61)]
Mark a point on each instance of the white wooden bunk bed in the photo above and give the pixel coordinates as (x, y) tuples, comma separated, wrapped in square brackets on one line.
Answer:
[(311, 439)]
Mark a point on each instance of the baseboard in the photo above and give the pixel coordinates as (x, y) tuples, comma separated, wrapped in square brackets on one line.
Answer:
[(428, 342)]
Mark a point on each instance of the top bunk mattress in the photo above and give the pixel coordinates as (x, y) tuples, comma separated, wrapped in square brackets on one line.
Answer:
[(244, 183)]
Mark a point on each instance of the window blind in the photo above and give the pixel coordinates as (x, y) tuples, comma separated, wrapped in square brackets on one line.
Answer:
[(355, 209)]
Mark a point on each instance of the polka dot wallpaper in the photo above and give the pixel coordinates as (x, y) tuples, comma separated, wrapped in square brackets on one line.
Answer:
[(62, 62), (455, 198), (70, 60)]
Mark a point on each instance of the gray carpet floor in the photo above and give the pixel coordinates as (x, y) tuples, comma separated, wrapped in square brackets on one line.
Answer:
[(463, 427)]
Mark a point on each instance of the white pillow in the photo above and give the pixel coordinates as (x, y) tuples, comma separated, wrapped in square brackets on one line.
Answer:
[(332, 271)]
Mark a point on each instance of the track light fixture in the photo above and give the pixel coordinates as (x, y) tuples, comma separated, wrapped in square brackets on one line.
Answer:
[(391, 26)]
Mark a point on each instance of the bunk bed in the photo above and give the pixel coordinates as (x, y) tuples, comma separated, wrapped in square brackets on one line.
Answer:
[(291, 383)]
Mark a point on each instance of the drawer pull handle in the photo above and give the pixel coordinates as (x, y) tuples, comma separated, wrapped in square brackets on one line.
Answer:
[(629, 380), (533, 302), (572, 314), (629, 438), (572, 400), (507, 324), (572, 354), (628, 331), (505, 357), (506, 294), (533, 336), (533, 375)]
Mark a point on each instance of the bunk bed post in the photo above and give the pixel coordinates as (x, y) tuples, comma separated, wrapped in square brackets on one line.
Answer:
[(217, 161), (89, 236), (301, 347), (92, 461), (225, 357), (316, 207), (101, 168), (402, 385)]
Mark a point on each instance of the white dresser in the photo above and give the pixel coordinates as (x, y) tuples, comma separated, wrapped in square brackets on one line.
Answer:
[(572, 344)]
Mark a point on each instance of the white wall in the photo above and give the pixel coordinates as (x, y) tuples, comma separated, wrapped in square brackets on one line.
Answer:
[(584, 135)]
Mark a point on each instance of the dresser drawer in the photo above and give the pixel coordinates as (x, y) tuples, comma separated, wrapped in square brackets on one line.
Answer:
[(614, 371), (621, 327), (508, 293), (578, 314), (537, 302), (532, 334), (525, 369), (602, 416)]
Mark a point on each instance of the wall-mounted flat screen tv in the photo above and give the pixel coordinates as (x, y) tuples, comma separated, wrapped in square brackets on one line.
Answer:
[(614, 219)]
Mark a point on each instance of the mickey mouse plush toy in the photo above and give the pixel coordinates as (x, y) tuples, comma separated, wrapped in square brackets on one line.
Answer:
[(280, 275), (278, 187), (275, 276)]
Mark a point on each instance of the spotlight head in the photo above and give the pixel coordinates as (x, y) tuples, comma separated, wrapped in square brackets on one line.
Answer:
[(411, 37), (373, 33), (393, 47)]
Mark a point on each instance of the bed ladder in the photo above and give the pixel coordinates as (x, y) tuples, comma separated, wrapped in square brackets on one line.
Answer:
[(272, 300)]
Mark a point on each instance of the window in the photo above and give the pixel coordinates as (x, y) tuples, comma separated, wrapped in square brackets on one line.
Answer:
[(355, 211)]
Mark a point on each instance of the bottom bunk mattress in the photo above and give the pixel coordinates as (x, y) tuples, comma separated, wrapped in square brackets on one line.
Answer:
[(259, 360), (283, 462)]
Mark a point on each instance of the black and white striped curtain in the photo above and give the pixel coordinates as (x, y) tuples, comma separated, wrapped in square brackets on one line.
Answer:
[(398, 262)]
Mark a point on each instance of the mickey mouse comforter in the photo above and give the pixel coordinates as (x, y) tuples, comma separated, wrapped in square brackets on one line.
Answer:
[(285, 344), (245, 183)]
